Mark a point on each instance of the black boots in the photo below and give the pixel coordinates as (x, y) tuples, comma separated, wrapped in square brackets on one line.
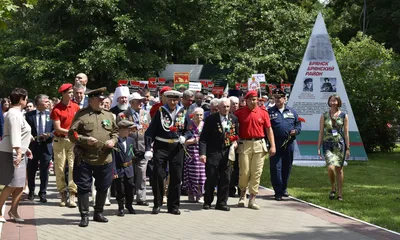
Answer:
[(130, 208), (98, 209), (83, 204), (121, 209)]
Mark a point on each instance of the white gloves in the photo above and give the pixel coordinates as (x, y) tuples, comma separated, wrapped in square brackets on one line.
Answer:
[(148, 155), (182, 139)]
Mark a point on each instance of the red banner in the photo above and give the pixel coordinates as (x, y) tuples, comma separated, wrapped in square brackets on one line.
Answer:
[(218, 90)]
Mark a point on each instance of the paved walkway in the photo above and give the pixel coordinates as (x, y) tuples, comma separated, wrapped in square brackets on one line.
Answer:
[(276, 220)]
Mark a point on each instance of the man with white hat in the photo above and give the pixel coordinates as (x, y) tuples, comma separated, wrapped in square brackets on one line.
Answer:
[(120, 100), (141, 118), (168, 132)]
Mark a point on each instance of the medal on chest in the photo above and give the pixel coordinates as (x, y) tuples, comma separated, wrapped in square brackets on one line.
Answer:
[(168, 124)]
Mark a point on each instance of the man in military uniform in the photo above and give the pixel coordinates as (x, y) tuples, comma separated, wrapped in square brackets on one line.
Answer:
[(285, 125), (167, 130), (94, 133)]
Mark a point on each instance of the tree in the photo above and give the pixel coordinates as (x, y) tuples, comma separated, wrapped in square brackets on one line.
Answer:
[(260, 36), (382, 20), (370, 72), (117, 39), (7, 7), (109, 40)]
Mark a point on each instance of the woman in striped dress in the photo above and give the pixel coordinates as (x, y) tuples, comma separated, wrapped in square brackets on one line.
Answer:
[(194, 170)]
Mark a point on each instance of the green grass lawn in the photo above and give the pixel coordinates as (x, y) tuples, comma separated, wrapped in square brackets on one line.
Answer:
[(371, 189)]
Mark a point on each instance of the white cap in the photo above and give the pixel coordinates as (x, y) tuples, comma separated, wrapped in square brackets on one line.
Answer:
[(265, 96), (135, 96), (172, 93)]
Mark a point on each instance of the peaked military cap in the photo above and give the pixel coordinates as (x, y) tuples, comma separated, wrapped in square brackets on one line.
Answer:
[(98, 92), (173, 94), (278, 91)]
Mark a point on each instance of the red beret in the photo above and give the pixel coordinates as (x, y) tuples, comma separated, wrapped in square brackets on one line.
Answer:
[(164, 89), (65, 87), (251, 93)]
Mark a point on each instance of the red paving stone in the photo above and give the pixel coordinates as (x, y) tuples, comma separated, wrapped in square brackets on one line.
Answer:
[(24, 231)]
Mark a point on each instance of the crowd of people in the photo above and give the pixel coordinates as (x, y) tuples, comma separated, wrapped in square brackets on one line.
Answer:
[(187, 143)]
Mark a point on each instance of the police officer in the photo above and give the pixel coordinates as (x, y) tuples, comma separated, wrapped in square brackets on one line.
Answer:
[(285, 125), (94, 133), (167, 130)]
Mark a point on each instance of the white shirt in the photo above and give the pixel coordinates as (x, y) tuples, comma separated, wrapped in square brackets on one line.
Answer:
[(82, 103), (124, 143), (43, 119), (224, 120)]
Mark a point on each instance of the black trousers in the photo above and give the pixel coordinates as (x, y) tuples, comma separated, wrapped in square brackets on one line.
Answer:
[(32, 168), (217, 175), (280, 168), (171, 153), (124, 187), (84, 174)]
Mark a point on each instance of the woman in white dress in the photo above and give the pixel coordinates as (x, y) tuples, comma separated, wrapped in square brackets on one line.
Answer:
[(14, 149)]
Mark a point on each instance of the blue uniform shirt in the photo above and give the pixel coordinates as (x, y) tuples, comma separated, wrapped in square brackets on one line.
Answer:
[(283, 123)]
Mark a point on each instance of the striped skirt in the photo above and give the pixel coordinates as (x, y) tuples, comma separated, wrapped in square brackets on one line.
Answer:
[(194, 172)]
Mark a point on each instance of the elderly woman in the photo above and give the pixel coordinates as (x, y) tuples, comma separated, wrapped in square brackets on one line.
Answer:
[(194, 170), (334, 138), (13, 149)]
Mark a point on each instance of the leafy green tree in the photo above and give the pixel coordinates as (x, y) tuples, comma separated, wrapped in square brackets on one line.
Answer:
[(382, 20), (109, 40), (260, 36), (8, 7), (370, 73)]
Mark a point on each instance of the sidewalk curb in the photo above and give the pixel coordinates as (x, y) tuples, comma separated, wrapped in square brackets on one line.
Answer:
[(337, 213)]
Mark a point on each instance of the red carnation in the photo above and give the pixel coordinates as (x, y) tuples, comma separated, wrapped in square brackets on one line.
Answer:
[(302, 119), (173, 129), (122, 116), (233, 138), (191, 116), (76, 135)]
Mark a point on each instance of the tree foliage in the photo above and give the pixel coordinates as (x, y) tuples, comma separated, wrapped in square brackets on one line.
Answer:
[(8, 7), (370, 73), (266, 36), (382, 20), (117, 39)]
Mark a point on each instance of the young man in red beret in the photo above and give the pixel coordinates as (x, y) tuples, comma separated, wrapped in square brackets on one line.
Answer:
[(62, 115), (253, 122)]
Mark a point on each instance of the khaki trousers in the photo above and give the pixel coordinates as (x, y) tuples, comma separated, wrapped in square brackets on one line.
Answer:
[(251, 163), (64, 154)]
